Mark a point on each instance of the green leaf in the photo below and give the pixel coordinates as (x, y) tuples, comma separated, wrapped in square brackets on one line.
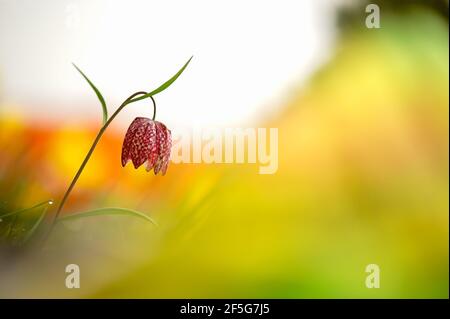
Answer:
[(23, 210), (35, 225), (20, 227), (165, 85), (107, 211), (97, 92)]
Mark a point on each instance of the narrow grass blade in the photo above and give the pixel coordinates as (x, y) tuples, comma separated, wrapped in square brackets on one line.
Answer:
[(47, 202), (165, 85), (35, 226), (97, 92), (107, 211)]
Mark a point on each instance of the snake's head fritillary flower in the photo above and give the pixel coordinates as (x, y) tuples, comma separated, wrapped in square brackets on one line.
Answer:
[(147, 142)]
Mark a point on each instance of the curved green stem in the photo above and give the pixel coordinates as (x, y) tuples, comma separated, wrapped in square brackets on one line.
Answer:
[(91, 150), (154, 108)]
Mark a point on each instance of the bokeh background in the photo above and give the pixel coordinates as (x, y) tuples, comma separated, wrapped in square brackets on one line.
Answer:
[(363, 128)]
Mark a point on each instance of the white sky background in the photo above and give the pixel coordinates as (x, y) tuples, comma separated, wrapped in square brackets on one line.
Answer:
[(248, 57)]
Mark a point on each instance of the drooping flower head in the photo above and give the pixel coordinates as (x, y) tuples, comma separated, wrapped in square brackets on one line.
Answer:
[(147, 142)]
